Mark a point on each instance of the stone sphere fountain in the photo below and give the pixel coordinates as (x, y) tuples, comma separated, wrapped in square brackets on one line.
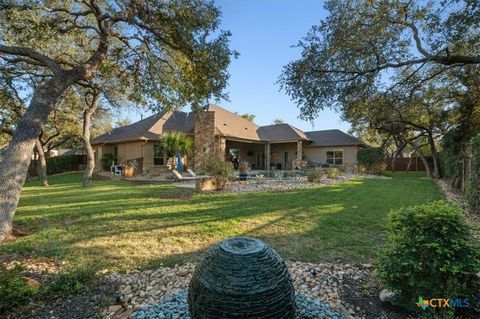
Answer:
[(241, 277)]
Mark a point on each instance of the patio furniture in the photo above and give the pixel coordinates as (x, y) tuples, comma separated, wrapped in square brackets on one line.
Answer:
[(241, 278), (193, 174), (117, 169), (178, 177)]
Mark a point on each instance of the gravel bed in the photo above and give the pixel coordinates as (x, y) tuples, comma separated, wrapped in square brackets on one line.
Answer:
[(323, 284), (175, 307), (272, 184)]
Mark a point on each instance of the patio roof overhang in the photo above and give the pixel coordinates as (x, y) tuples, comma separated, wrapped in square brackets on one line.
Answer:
[(241, 140)]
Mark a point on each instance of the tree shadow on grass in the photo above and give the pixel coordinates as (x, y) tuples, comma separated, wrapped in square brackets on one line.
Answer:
[(343, 220)]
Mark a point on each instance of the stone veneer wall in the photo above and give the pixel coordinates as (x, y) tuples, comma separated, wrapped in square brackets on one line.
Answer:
[(203, 139)]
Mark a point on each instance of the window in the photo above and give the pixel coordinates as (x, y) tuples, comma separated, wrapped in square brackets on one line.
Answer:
[(335, 157), (158, 155)]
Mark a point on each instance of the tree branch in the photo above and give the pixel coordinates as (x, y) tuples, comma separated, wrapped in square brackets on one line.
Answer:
[(34, 55)]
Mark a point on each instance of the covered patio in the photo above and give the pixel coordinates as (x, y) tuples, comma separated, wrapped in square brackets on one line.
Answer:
[(261, 155)]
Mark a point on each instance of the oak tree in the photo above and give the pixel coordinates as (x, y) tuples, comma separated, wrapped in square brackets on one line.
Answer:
[(165, 53)]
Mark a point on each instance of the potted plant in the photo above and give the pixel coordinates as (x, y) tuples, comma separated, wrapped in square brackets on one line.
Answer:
[(243, 171)]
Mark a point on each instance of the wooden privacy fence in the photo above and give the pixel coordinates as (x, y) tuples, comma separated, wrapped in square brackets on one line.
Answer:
[(401, 164)]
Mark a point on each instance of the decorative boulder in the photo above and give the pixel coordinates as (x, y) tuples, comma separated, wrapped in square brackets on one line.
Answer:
[(241, 277)]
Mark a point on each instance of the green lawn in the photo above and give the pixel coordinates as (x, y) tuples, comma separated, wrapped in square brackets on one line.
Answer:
[(121, 225)]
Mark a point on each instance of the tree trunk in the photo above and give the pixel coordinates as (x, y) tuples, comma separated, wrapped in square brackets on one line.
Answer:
[(14, 167), (42, 163), (419, 153), (409, 163), (428, 169), (436, 158), (87, 114), (396, 154)]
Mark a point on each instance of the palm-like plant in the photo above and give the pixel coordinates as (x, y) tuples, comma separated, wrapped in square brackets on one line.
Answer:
[(176, 144)]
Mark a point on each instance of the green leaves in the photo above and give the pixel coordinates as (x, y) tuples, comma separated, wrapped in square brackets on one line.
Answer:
[(364, 47), (373, 159), (473, 186), (14, 288), (176, 142), (220, 171), (161, 54), (428, 253)]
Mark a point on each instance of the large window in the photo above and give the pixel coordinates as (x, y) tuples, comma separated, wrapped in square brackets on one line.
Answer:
[(158, 155), (335, 157)]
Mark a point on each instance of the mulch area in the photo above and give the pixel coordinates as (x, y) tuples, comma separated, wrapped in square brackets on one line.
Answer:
[(85, 304)]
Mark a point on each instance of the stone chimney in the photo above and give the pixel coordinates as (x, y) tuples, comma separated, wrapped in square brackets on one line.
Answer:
[(203, 139)]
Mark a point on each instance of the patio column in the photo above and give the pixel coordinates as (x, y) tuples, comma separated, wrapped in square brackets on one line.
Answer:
[(267, 156), (299, 150), (222, 148)]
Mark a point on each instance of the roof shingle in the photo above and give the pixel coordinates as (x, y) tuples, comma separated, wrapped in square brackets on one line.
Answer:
[(280, 132), (227, 124), (332, 138)]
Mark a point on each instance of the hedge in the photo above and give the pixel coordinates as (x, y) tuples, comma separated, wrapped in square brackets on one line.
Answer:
[(452, 153), (65, 163), (473, 184)]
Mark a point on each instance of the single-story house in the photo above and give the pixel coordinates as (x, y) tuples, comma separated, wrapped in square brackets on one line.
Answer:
[(227, 135)]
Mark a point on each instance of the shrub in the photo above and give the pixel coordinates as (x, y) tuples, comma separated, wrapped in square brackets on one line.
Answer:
[(260, 179), (372, 159), (107, 160), (333, 172), (14, 289), (473, 184), (220, 171), (314, 176), (428, 254), (71, 282), (452, 152), (64, 163)]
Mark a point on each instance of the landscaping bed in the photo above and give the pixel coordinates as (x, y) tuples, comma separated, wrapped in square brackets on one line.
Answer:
[(273, 184), (341, 287)]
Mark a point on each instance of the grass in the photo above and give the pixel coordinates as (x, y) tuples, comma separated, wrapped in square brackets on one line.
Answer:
[(120, 225)]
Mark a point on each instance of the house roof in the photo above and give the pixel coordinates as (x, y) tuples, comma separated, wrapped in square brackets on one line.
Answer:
[(227, 124), (281, 132), (230, 124), (149, 128), (332, 138)]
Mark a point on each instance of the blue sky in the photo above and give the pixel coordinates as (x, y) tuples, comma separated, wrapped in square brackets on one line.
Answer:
[(263, 32)]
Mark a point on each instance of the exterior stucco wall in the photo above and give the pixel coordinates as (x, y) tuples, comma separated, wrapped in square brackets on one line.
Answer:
[(320, 154), (129, 151), (125, 152), (148, 156)]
